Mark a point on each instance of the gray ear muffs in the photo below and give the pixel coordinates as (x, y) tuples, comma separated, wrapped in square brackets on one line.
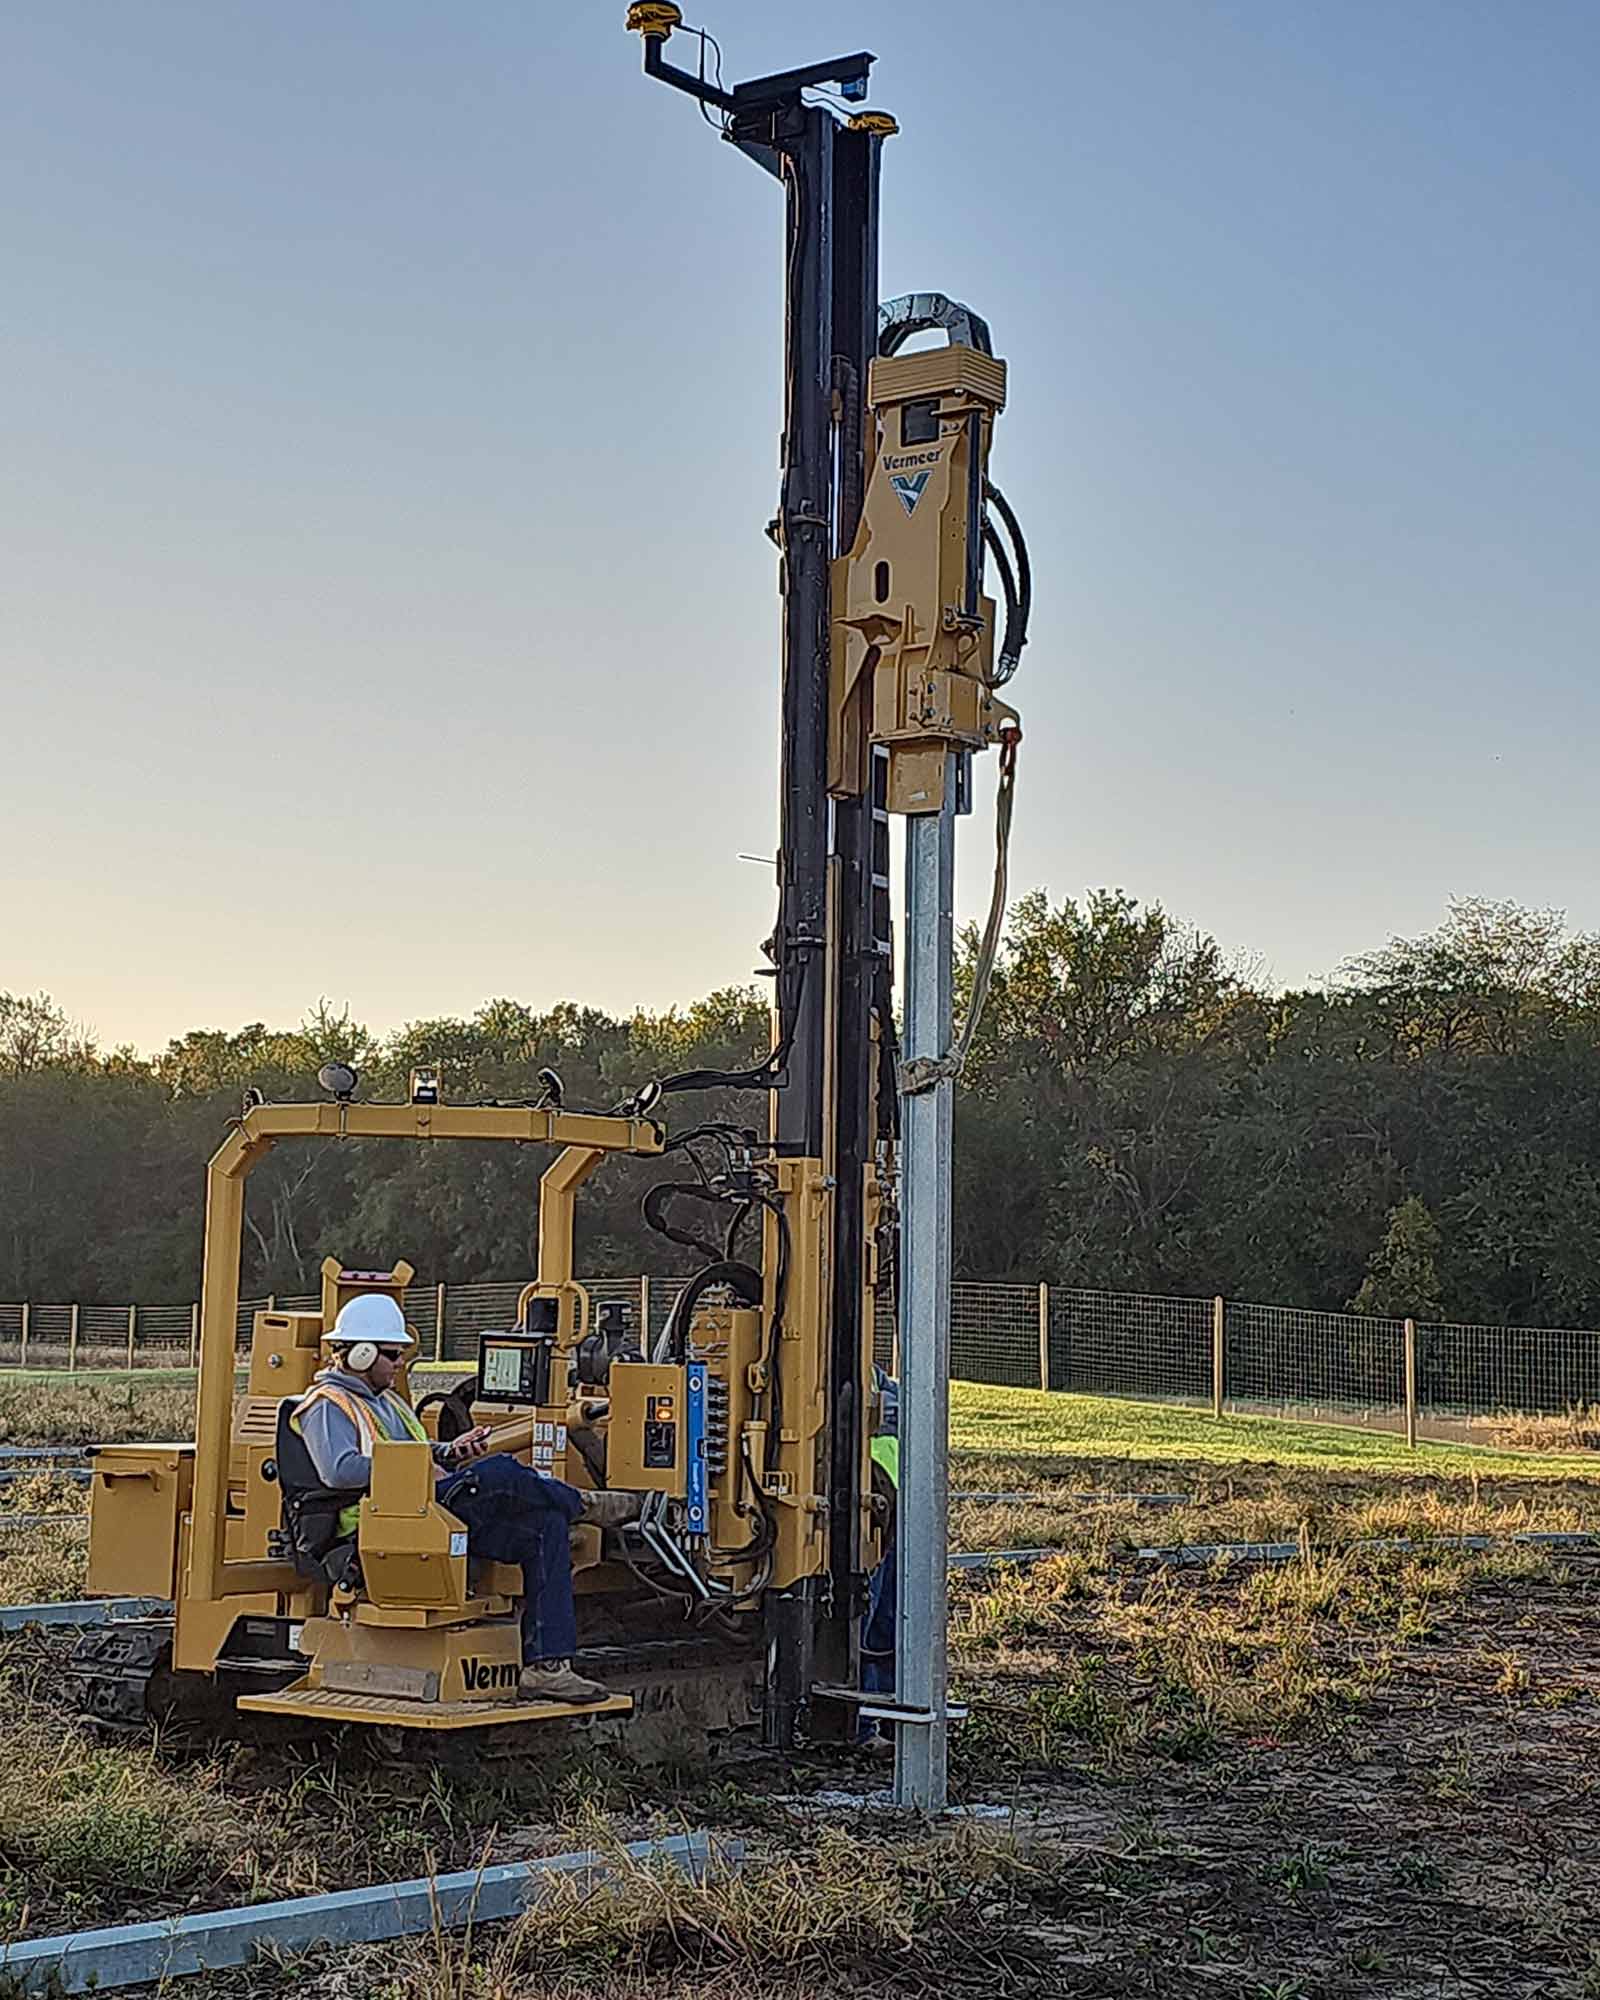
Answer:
[(359, 1357)]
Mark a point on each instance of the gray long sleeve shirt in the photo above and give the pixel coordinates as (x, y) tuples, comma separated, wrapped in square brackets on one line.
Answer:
[(333, 1439)]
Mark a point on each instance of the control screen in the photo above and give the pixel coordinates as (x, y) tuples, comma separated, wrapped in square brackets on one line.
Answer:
[(514, 1368), (502, 1370)]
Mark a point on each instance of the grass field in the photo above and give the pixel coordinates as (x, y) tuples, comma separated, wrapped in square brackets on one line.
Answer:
[(1368, 1771), (45, 1407), (1020, 1422)]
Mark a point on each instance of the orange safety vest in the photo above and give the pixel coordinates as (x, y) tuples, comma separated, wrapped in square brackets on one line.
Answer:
[(360, 1414)]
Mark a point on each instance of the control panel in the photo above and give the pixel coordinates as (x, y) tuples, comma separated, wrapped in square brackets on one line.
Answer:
[(646, 1451)]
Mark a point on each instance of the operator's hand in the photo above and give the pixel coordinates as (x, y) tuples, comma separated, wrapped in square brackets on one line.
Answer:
[(471, 1444)]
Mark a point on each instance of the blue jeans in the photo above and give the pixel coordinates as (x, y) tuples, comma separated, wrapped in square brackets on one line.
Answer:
[(513, 1514), (878, 1631)]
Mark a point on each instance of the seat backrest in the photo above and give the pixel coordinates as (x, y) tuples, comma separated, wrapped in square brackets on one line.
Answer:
[(297, 1473), (310, 1510)]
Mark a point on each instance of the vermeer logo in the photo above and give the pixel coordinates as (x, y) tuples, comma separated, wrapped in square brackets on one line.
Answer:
[(909, 486), (481, 1675)]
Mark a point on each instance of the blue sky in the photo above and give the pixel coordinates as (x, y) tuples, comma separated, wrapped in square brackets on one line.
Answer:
[(390, 399)]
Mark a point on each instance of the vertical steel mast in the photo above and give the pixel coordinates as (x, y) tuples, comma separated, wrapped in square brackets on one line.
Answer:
[(831, 943)]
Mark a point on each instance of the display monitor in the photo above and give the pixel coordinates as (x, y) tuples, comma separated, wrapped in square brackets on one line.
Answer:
[(514, 1368)]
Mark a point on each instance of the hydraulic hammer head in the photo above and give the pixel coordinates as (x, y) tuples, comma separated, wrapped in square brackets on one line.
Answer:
[(913, 660)]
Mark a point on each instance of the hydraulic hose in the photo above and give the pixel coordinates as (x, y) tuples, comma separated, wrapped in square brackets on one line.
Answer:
[(1019, 609)]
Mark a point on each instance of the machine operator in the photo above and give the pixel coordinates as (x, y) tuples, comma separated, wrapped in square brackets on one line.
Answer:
[(512, 1513)]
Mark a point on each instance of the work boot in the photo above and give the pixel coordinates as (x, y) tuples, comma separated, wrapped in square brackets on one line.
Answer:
[(610, 1510), (554, 1680)]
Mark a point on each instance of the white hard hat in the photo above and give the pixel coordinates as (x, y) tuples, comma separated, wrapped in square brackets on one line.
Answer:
[(370, 1320)]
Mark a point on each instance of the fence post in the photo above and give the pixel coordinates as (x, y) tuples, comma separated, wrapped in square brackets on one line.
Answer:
[(438, 1326), (24, 1333), (194, 1334), (133, 1322), (272, 1302), (1219, 1317), (1411, 1383), (644, 1311), (72, 1343), (1044, 1336)]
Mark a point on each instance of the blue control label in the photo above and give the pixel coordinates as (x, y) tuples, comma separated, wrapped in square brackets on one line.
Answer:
[(694, 1438)]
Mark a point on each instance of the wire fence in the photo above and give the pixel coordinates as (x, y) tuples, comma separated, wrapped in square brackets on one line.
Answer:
[(1411, 1377)]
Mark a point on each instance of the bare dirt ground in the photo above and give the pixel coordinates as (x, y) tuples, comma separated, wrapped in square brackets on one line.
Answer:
[(1402, 1806)]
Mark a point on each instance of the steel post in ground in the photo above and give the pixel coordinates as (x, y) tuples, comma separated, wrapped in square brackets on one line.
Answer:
[(922, 1534), (1410, 1337)]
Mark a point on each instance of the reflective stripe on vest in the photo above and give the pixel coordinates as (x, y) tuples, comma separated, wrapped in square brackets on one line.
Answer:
[(886, 1452), (359, 1411)]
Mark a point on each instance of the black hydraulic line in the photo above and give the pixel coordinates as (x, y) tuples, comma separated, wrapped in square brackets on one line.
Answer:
[(654, 1210), (771, 1074), (1012, 649), (974, 577), (1008, 585), (742, 1279), (732, 1237)]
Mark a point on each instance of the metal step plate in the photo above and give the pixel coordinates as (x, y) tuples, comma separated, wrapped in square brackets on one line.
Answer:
[(324, 1705)]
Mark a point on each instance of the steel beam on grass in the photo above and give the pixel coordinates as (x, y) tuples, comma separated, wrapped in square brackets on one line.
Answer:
[(1190, 1555), (81, 1611), (1034, 1498), (140, 1954), (1196, 1555)]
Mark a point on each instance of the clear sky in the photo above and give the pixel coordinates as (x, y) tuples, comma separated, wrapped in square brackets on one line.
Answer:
[(390, 393)]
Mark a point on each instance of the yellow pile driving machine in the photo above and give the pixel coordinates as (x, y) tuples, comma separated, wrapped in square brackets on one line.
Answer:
[(745, 1422)]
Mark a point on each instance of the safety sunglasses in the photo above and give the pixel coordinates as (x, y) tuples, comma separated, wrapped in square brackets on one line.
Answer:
[(393, 1353)]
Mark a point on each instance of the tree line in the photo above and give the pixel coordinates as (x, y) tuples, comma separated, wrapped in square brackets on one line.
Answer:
[(1417, 1136)]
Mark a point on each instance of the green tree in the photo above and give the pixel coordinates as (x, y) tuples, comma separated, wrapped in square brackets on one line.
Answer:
[(36, 1035), (1402, 1280)]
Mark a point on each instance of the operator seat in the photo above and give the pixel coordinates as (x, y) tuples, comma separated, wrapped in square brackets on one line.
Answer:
[(309, 1536)]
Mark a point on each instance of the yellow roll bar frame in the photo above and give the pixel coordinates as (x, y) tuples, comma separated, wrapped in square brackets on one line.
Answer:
[(263, 1126)]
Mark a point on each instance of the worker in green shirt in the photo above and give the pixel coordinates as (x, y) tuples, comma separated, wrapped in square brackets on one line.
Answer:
[(878, 1628)]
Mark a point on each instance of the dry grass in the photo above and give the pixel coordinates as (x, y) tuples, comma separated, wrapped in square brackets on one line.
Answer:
[(839, 1912), (1067, 1658), (128, 1409), (1263, 1501), (86, 1827), (1578, 1429), (44, 1564)]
